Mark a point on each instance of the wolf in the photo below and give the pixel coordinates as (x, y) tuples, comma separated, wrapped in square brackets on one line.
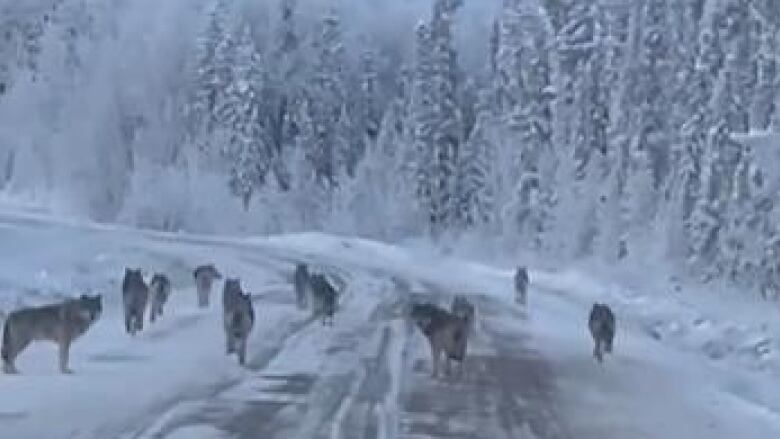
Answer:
[(301, 284), (446, 333), (521, 285), (160, 290), (204, 276), (61, 323), (238, 318), (602, 328), (324, 298), (461, 307), (135, 296)]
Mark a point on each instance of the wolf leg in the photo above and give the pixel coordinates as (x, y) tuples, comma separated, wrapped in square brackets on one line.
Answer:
[(64, 352), (139, 321), (129, 323), (434, 361), (9, 367), (242, 351), (10, 353), (229, 345), (597, 350)]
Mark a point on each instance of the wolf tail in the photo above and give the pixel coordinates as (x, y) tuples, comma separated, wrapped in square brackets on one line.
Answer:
[(5, 351)]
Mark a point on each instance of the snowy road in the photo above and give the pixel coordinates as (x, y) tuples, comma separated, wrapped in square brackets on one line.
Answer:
[(528, 375), (368, 376)]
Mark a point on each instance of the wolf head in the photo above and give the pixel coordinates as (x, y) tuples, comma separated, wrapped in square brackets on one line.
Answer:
[(159, 279), (232, 285), (462, 308), (321, 287), (91, 306), (459, 302), (239, 306), (601, 316), (133, 278), (424, 314), (208, 270), (231, 292)]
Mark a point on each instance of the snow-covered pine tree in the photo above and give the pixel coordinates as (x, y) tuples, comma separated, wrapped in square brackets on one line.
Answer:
[(423, 119), (448, 128), (243, 116), (325, 97), (286, 76), (212, 69), (476, 186)]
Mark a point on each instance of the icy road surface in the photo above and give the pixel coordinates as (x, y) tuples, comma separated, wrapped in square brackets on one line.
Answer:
[(529, 374)]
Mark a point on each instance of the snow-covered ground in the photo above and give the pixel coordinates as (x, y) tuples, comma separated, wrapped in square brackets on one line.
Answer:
[(684, 366)]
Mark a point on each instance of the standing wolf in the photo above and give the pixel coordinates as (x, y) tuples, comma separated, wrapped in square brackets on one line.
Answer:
[(323, 297), (301, 284), (602, 327), (61, 323), (461, 307), (160, 290), (135, 295), (446, 333), (521, 285), (205, 275), (238, 318)]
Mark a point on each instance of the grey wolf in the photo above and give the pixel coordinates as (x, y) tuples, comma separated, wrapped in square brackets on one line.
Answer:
[(135, 295), (61, 323), (160, 290), (205, 275), (324, 297), (301, 284), (238, 318), (446, 334), (521, 285), (461, 307), (602, 328)]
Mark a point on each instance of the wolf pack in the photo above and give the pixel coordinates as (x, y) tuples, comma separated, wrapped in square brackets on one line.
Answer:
[(446, 330)]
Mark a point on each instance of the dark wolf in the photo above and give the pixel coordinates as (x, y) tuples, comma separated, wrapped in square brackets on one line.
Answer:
[(160, 290), (135, 295), (238, 318), (205, 275), (61, 323), (445, 332), (301, 283), (324, 298), (521, 285), (602, 328)]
